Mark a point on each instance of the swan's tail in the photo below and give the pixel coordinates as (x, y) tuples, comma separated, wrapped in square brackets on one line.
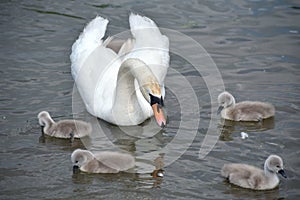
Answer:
[(87, 42)]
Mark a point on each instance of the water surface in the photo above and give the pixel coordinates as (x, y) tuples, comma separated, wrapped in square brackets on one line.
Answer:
[(255, 45)]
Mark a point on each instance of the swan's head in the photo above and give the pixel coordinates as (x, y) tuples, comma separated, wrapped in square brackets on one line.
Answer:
[(152, 94), (80, 157), (225, 99), (148, 85), (274, 164)]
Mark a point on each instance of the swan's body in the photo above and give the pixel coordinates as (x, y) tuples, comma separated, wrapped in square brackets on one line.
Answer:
[(116, 45), (251, 177), (245, 110), (64, 128), (102, 162), (119, 88)]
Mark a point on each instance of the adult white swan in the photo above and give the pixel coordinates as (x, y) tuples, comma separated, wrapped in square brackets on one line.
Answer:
[(124, 88)]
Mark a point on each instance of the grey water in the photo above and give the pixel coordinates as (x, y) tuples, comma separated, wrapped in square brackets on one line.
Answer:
[(255, 46)]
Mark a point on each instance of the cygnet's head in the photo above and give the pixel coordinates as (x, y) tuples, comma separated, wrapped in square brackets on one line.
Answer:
[(80, 157), (43, 117), (225, 99), (274, 164)]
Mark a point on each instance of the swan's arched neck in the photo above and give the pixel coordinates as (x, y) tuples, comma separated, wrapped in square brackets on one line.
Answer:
[(126, 100)]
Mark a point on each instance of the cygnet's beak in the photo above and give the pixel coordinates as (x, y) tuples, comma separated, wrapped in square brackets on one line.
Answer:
[(75, 169), (220, 109), (282, 173), (42, 128)]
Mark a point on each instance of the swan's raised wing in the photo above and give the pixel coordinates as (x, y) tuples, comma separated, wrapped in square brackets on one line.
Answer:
[(87, 42), (149, 45), (95, 68)]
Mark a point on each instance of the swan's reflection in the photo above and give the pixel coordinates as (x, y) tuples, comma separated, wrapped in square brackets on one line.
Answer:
[(137, 140)]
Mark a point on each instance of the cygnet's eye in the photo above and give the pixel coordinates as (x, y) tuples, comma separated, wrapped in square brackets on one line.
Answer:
[(278, 166), (76, 161)]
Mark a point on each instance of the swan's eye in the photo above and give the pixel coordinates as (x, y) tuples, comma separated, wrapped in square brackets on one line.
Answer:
[(156, 100), (278, 166), (76, 161)]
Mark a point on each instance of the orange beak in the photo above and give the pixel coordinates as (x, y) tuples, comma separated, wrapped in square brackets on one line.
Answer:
[(159, 115)]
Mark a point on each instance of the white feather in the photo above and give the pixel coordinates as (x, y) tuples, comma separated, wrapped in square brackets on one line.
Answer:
[(87, 42)]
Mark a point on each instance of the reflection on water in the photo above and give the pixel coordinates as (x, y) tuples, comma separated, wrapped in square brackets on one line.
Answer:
[(137, 140), (229, 127), (240, 193), (142, 181), (255, 46), (66, 143)]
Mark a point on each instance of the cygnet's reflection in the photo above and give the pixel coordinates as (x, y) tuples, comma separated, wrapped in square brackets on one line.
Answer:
[(228, 127)]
